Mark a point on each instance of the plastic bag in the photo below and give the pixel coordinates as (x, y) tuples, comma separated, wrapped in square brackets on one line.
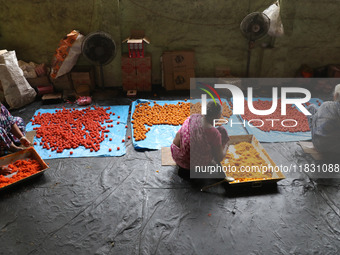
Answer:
[(84, 101), (16, 89), (67, 54), (276, 26)]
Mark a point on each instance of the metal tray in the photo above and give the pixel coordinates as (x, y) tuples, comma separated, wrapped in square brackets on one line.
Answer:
[(276, 175), (29, 153)]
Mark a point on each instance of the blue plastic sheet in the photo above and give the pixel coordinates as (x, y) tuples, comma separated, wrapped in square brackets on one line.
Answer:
[(162, 135), (117, 133), (277, 136)]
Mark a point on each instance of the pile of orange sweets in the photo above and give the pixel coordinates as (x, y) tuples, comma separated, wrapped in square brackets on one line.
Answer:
[(294, 120), (24, 169), (167, 114), (245, 155), (68, 129)]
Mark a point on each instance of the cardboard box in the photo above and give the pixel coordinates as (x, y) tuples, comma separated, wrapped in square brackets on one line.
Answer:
[(63, 82), (178, 59), (136, 73), (128, 66), (177, 69), (129, 83), (39, 81), (178, 79), (81, 79), (181, 79), (143, 66), (83, 90), (53, 98), (83, 75), (144, 84)]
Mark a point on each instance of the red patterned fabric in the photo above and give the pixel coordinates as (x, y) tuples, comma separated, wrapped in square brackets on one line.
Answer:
[(196, 143)]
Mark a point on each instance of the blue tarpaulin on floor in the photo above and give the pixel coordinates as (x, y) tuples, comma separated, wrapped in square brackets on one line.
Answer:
[(159, 135), (162, 135), (117, 134), (277, 136)]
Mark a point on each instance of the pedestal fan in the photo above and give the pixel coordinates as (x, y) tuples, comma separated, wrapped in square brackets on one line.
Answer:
[(254, 26), (100, 49)]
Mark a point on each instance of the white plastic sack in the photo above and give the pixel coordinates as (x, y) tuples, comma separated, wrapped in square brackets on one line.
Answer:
[(66, 55), (16, 89), (28, 69), (276, 26)]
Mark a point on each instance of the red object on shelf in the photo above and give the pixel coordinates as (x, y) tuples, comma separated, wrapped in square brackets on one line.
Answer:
[(41, 70), (136, 43), (42, 90)]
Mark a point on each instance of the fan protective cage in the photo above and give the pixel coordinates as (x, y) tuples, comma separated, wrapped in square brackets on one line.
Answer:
[(255, 25), (99, 48)]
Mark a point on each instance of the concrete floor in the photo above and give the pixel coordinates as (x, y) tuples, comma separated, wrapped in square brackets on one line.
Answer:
[(121, 205)]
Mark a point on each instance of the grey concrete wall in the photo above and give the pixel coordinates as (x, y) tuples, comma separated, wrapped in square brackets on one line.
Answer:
[(34, 28)]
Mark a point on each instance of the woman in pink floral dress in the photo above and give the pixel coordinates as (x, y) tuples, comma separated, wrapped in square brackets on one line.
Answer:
[(12, 134), (198, 142)]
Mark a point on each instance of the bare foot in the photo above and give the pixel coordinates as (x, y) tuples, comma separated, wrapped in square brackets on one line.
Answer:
[(14, 148)]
